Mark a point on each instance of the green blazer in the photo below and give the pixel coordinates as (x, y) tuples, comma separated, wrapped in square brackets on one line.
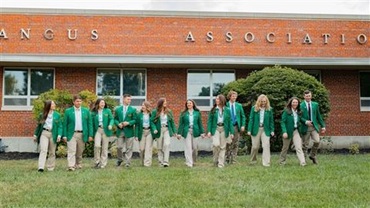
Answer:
[(316, 117), (56, 131), (130, 117), (254, 122), (212, 122), (107, 121), (184, 124), (287, 123), (139, 125), (239, 113), (156, 124), (69, 123)]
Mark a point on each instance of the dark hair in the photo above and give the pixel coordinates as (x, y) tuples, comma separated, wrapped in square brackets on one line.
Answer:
[(222, 102), (126, 95), (75, 97), (289, 105), (307, 92), (45, 111), (186, 106), (96, 105), (160, 107)]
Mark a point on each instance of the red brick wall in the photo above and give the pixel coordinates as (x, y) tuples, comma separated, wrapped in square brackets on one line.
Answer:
[(119, 35)]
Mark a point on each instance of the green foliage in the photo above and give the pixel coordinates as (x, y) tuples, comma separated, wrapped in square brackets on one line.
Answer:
[(88, 98), (62, 150), (279, 84), (354, 148), (326, 145)]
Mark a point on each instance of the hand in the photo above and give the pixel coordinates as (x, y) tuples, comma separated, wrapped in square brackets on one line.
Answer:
[(91, 139), (285, 135), (136, 139), (232, 136), (248, 133), (125, 123), (155, 131), (203, 135), (58, 139), (272, 134), (309, 123), (65, 139), (110, 127), (178, 137), (242, 129), (120, 125), (209, 134), (323, 130)]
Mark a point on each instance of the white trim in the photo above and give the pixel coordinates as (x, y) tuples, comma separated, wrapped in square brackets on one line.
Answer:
[(117, 61), (190, 14), (16, 108)]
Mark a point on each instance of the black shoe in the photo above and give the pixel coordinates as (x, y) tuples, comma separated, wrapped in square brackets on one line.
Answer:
[(314, 160), (97, 166), (118, 163), (40, 170)]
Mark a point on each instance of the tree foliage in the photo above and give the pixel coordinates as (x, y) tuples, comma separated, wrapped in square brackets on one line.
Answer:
[(278, 84)]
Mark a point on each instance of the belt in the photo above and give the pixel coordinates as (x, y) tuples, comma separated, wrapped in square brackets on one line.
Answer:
[(146, 128), (261, 125), (220, 124), (100, 126), (78, 131), (164, 125), (46, 129), (190, 127), (295, 129)]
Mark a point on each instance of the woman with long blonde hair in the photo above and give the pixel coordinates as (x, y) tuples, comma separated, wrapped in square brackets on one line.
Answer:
[(144, 135), (261, 127)]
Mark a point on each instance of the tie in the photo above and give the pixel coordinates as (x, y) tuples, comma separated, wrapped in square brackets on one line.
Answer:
[(309, 110), (233, 113)]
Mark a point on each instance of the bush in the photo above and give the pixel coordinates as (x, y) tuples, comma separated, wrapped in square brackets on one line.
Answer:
[(354, 149), (279, 84), (63, 100)]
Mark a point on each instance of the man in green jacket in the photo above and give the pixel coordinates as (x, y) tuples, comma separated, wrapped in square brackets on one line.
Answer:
[(313, 123), (78, 130), (125, 119), (238, 120)]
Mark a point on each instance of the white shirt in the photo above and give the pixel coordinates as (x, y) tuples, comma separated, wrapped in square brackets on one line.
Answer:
[(124, 110), (191, 118), (100, 117), (49, 121), (163, 119), (220, 116), (309, 105), (262, 115), (78, 119), (295, 116), (146, 122)]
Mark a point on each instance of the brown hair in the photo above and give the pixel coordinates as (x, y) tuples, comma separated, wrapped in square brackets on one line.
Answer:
[(222, 102), (45, 111)]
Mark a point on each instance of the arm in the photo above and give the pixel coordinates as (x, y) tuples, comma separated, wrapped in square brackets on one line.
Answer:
[(283, 122), (181, 124), (272, 124), (243, 118), (251, 119)]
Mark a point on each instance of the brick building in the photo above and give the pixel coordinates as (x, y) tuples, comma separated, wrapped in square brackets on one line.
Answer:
[(177, 55)]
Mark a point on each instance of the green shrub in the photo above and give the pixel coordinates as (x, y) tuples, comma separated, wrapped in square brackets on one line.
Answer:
[(326, 145), (354, 148), (279, 84)]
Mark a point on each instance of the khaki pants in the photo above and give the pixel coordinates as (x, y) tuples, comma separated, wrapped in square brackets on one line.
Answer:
[(232, 148), (219, 147), (297, 141), (47, 145), (122, 141), (191, 148), (265, 146), (163, 146), (76, 147), (101, 143), (314, 135), (146, 148)]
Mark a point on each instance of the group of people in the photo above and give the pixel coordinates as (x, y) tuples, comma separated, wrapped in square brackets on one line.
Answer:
[(226, 121)]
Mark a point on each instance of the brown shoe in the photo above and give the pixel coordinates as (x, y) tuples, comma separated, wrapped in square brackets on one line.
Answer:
[(314, 160)]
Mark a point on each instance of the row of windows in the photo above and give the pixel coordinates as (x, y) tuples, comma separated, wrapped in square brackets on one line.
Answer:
[(22, 85)]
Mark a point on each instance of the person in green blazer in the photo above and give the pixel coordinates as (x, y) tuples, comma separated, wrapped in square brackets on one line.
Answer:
[(78, 130), (143, 134), (220, 128), (163, 128), (125, 119), (103, 122), (313, 123), (238, 120), (261, 127), (290, 123), (48, 132), (190, 127)]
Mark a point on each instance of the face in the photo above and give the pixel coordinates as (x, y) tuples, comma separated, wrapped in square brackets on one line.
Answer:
[(165, 103), (294, 103), (233, 97), (263, 102), (101, 104), (127, 100), (217, 100), (52, 106), (189, 104), (77, 103), (308, 97), (143, 107)]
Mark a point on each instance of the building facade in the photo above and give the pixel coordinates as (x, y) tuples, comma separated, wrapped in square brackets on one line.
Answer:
[(177, 55)]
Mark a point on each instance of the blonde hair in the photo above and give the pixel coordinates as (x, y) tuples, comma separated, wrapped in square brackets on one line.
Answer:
[(257, 106), (232, 92)]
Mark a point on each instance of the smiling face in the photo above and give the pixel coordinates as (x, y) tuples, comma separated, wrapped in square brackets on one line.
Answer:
[(52, 105), (77, 103), (308, 97), (189, 105), (294, 104), (101, 104)]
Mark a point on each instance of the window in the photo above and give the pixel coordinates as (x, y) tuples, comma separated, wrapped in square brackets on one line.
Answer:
[(201, 83), (365, 91), (117, 82), (22, 85), (314, 73)]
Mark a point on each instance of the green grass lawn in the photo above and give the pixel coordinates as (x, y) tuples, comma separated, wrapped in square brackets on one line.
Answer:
[(338, 181)]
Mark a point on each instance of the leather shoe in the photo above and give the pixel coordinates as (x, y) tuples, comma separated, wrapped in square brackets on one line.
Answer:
[(118, 163), (314, 160)]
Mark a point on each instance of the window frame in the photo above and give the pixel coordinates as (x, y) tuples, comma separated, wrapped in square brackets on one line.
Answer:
[(362, 108), (211, 98), (28, 96), (121, 72)]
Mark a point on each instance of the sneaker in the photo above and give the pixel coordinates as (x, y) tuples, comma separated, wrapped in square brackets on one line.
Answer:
[(71, 169), (166, 165), (102, 167), (118, 163), (314, 160), (79, 166), (40, 170), (127, 165), (97, 166)]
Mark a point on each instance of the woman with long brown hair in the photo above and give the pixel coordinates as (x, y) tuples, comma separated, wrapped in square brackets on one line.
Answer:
[(219, 127), (48, 132), (143, 134), (163, 128)]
